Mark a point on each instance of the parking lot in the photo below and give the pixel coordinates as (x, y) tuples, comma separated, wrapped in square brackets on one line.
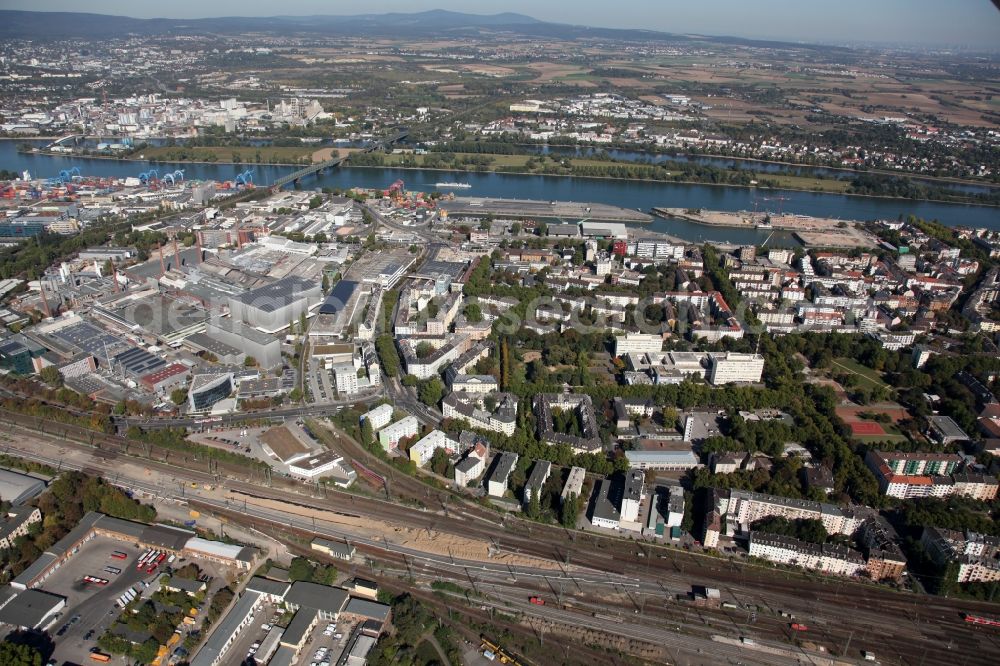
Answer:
[(91, 608), (93, 604), (237, 653), (317, 641)]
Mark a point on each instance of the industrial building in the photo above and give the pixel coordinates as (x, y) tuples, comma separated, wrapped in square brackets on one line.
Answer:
[(18, 488), (264, 348), (336, 549), (272, 307)]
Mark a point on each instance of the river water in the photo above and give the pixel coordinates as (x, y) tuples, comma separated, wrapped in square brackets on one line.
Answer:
[(628, 194)]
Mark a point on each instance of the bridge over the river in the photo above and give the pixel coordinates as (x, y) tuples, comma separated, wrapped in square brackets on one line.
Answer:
[(336, 161)]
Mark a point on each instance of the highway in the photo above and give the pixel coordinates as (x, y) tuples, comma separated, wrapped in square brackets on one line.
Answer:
[(904, 626)]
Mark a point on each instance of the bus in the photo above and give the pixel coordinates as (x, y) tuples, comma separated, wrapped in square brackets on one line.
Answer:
[(100, 656), (112, 570), (95, 580), (119, 555)]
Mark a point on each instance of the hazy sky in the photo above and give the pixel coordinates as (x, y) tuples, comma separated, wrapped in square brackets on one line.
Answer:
[(950, 22)]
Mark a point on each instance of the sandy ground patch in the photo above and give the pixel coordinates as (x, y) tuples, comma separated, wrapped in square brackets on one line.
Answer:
[(428, 541)]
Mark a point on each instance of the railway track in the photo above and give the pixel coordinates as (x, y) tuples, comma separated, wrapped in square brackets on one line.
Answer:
[(839, 612)]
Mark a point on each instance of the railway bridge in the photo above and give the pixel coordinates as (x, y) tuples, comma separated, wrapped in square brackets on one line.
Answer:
[(296, 176)]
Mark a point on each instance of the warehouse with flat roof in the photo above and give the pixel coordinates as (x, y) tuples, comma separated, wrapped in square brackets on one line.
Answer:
[(18, 488)]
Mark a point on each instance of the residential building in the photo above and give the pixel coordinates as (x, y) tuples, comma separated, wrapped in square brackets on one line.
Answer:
[(468, 469), (574, 483), (16, 523), (496, 412), (605, 511), (828, 558), (580, 407), (496, 486), (422, 451), (346, 378), (910, 475), (885, 560), (977, 555), (539, 475), (379, 417), (743, 508), (390, 435)]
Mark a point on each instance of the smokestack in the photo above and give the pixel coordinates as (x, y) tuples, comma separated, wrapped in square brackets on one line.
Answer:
[(239, 238), (45, 301), (114, 277), (163, 267), (177, 256), (198, 238)]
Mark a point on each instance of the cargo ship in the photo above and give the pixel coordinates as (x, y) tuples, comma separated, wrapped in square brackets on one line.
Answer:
[(452, 186)]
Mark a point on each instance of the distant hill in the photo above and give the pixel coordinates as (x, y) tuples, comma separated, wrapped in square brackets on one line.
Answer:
[(64, 25), (60, 25)]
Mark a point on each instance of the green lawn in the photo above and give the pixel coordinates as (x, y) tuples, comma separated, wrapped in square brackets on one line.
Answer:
[(868, 376)]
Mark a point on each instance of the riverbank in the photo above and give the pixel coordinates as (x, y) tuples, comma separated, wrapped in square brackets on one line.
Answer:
[(653, 181), (146, 160), (630, 194), (694, 157)]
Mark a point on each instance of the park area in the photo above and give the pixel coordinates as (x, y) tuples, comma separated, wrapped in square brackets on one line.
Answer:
[(867, 377)]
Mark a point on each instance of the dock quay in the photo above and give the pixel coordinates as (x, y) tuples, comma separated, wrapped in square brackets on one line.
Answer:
[(568, 211), (810, 231)]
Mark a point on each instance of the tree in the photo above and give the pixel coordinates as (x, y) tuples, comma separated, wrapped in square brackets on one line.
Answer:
[(51, 376), (250, 362), (424, 349), (14, 654), (570, 511), (367, 433), (534, 509), (300, 569), (178, 396), (326, 283), (386, 348), (439, 462), (473, 313), (431, 392), (295, 395), (315, 202)]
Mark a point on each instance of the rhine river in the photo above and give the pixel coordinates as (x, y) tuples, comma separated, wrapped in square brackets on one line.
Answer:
[(627, 194)]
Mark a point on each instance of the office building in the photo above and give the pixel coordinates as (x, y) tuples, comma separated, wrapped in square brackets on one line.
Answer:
[(207, 390), (638, 343)]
